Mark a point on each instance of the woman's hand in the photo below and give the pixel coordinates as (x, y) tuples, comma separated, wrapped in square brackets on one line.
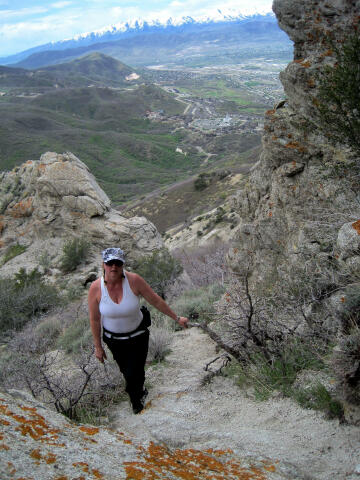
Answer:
[(183, 322), (100, 354)]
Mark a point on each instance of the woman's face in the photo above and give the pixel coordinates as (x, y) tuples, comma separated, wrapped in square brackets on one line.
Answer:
[(113, 268)]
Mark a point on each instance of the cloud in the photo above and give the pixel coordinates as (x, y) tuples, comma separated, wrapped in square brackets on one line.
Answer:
[(26, 27), (60, 4), (22, 12)]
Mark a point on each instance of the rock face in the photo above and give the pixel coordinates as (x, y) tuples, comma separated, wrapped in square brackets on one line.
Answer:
[(296, 210), (298, 213), (44, 203)]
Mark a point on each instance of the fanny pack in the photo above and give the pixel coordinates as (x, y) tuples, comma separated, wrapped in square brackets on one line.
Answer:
[(145, 323)]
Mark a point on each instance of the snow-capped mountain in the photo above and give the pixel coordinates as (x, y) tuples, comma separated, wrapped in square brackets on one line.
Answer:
[(153, 37), (140, 24)]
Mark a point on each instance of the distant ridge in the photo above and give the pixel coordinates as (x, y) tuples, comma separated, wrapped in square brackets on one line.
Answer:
[(95, 69), (108, 36)]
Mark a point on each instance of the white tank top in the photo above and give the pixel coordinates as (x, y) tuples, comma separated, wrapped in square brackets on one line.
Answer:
[(120, 317)]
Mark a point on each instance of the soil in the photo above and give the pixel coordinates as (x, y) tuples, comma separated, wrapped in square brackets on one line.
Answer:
[(184, 411)]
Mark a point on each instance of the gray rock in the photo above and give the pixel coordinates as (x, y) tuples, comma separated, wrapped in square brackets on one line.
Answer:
[(348, 240), (49, 201)]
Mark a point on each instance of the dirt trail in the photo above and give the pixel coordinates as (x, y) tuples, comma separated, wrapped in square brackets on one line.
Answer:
[(184, 413)]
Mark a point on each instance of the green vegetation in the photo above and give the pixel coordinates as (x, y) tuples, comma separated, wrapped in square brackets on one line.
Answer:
[(281, 375), (74, 253), (160, 270), (76, 336), (319, 398), (198, 303), (12, 251), (24, 296), (339, 94)]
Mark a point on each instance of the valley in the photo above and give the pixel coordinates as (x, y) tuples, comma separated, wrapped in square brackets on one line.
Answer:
[(146, 130)]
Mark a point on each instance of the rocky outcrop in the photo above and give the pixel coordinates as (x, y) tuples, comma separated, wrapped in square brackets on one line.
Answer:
[(296, 205), (38, 443), (44, 203), (300, 210)]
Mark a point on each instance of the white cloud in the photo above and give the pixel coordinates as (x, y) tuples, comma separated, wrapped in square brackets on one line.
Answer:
[(23, 12), (60, 4), (27, 27)]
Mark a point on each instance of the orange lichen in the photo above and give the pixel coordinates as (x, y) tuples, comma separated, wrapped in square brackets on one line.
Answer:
[(23, 208), (270, 468), (84, 466), (11, 468), (4, 447), (50, 458), (356, 226), (89, 430), (34, 425), (97, 474), (295, 145), (342, 299), (36, 454), (270, 112), (270, 214), (159, 462)]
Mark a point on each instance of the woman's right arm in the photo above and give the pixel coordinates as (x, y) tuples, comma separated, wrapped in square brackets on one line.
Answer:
[(95, 319)]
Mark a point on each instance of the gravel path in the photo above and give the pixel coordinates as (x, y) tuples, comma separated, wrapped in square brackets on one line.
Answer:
[(183, 412)]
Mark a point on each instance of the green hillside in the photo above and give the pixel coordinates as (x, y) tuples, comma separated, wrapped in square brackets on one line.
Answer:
[(106, 129), (93, 69)]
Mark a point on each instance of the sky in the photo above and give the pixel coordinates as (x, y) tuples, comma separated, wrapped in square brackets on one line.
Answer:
[(27, 23)]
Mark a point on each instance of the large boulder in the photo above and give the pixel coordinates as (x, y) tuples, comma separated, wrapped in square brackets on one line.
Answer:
[(47, 202)]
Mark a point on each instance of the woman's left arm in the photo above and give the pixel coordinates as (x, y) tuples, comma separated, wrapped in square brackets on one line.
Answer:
[(144, 289)]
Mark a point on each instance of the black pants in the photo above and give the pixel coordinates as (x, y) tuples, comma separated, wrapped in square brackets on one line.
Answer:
[(131, 355)]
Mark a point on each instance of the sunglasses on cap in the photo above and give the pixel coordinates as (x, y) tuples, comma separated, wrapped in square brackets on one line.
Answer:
[(117, 263)]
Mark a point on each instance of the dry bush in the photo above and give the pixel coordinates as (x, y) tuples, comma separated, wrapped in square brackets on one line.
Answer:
[(205, 265), (159, 343), (76, 385)]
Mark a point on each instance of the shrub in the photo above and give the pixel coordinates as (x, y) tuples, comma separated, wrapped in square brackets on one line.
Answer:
[(199, 302), (159, 343), (201, 182), (160, 270), (45, 261), (76, 336), (74, 253), (205, 265), (13, 251), (339, 94), (24, 296), (318, 398), (76, 385)]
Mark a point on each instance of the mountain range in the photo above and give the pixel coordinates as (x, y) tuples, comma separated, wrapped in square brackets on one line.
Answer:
[(142, 43)]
